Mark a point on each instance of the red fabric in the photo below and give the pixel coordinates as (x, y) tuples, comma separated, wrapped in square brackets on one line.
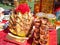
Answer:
[(58, 9), (53, 37), (4, 21), (4, 41)]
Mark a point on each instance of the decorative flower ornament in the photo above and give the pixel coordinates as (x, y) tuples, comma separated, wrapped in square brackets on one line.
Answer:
[(23, 8)]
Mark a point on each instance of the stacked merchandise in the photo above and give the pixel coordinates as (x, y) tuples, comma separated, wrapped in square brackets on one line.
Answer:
[(41, 32), (37, 6), (47, 6), (42, 25)]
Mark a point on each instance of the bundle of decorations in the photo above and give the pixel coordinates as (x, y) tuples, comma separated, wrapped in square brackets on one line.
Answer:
[(22, 26), (42, 26)]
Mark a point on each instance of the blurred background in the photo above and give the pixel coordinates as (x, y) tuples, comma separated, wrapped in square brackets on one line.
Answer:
[(9, 4)]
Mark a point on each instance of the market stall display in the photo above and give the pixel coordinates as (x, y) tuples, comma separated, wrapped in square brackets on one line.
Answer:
[(27, 29)]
